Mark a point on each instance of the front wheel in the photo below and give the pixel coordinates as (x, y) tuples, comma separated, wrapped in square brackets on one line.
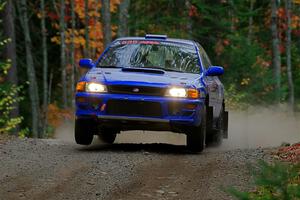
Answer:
[(195, 139), (84, 131)]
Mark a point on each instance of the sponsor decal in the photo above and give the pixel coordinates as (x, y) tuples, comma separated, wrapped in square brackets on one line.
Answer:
[(139, 42)]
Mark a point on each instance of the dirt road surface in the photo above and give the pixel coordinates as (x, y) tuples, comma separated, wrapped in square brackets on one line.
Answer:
[(51, 169), (128, 170)]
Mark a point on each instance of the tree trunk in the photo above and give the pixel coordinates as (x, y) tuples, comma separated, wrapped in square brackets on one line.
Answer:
[(33, 88), (63, 54), (45, 68), (250, 29), (87, 37), (288, 8), (106, 21), (10, 52), (276, 59), (73, 51), (123, 18)]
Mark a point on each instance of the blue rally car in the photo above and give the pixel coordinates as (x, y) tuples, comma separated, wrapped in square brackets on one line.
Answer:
[(151, 83)]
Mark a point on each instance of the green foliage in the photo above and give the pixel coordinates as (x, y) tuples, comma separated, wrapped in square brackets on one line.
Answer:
[(235, 99), (162, 17), (8, 97), (296, 67), (248, 70), (279, 181), (24, 133)]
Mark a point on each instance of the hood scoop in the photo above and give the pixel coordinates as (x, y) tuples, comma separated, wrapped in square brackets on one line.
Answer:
[(143, 70)]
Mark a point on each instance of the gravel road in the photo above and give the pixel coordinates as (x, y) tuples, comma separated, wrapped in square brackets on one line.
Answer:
[(53, 169), (60, 169)]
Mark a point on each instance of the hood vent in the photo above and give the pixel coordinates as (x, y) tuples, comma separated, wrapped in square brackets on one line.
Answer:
[(143, 70)]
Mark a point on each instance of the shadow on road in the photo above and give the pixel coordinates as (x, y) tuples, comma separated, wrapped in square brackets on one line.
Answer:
[(144, 148)]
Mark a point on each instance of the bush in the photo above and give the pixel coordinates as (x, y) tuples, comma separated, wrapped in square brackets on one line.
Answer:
[(8, 97), (279, 181)]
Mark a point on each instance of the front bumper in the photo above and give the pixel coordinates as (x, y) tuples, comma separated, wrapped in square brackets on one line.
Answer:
[(174, 113)]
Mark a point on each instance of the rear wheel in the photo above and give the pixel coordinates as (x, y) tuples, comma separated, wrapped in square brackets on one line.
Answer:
[(215, 136), (84, 131), (107, 135), (195, 139)]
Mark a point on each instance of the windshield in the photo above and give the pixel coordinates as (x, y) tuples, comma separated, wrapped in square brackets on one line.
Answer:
[(151, 54)]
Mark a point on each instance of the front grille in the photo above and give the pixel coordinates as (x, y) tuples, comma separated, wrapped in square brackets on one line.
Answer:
[(134, 108), (142, 90), (88, 103)]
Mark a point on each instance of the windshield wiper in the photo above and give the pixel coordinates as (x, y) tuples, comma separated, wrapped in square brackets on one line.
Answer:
[(162, 68)]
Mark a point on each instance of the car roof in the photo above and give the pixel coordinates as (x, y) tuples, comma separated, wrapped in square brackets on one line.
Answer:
[(175, 40)]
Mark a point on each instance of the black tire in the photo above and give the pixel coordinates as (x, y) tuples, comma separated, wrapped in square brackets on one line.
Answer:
[(195, 139), (84, 131), (108, 136), (215, 137)]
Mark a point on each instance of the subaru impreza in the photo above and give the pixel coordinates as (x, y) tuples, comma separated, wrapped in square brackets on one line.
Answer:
[(151, 83)]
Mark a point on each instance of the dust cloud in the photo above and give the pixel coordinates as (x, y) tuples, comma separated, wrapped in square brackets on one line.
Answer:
[(257, 127), (261, 127), (65, 132)]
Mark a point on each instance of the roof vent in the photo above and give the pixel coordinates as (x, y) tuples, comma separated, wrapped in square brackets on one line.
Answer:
[(151, 36)]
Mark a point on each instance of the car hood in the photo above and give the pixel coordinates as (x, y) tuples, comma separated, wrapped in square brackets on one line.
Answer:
[(117, 76)]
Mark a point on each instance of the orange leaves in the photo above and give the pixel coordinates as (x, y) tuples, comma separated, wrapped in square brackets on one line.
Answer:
[(289, 153), (114, 5), (220, 46), (94, 23), (193, 12), (93, 8), (55, 39), (281, 12), (79, 41), (296, 1), (295, 21), (56, 115), (263, 63)]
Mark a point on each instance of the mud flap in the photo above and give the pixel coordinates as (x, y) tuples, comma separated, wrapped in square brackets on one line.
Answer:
[(209, 118), (225, 133)]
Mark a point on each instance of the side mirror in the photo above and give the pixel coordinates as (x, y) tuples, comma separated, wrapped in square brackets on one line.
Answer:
[(86, 63), (215, 71)]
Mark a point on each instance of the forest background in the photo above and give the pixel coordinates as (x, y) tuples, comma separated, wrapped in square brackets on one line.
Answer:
[(41, 42)]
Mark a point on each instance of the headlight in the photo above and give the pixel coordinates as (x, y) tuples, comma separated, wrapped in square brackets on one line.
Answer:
[(183, 93), (95, 87), (177, 92)]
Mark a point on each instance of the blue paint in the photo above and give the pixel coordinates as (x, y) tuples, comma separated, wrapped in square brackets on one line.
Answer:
[(214, 71), (86, 63)]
